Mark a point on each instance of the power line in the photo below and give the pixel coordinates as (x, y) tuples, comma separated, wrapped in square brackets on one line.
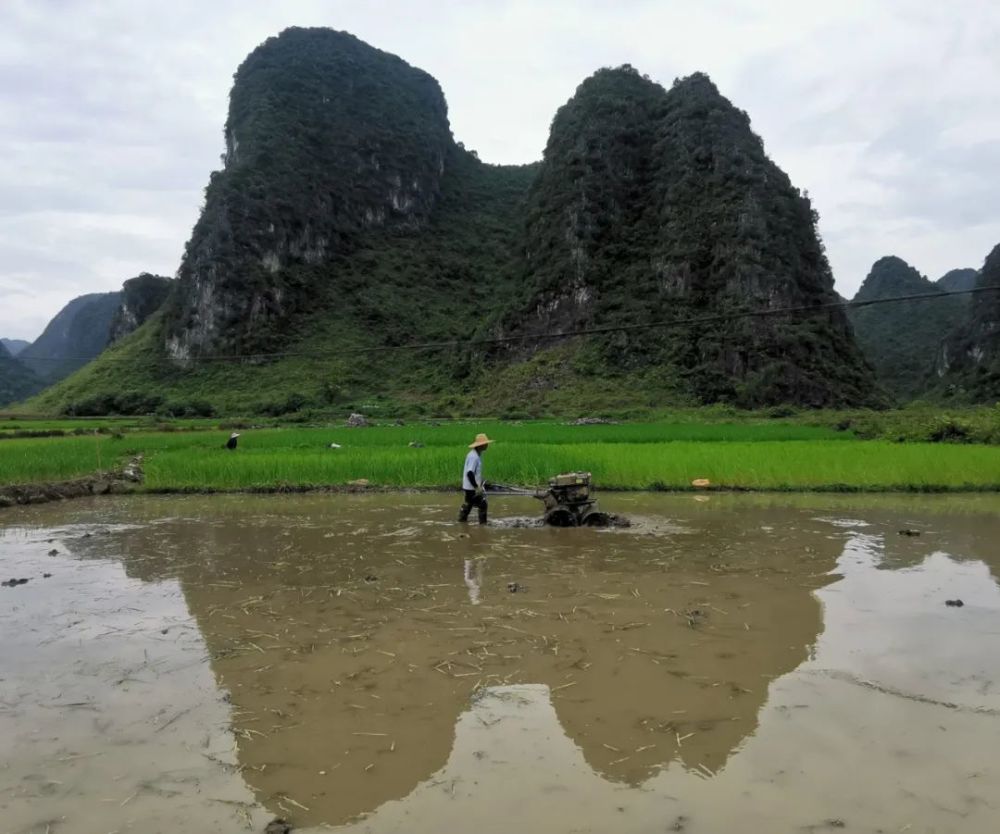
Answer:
[(555, 335)]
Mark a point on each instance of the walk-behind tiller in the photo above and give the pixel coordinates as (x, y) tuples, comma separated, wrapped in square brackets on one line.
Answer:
[(568, 502)]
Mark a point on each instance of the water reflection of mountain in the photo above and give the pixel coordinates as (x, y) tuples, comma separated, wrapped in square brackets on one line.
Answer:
[(347, 634)]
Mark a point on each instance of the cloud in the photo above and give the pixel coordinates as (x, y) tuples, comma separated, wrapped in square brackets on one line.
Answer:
[(884, 117), (112, 115)]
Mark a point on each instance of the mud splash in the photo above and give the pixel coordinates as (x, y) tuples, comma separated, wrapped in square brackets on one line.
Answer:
[(609, 521), (786, 662)]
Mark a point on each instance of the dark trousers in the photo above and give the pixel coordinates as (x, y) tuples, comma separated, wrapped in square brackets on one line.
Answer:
[(473, 500)]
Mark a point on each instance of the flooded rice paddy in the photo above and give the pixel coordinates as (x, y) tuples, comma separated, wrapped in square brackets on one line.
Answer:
[(728, 663)]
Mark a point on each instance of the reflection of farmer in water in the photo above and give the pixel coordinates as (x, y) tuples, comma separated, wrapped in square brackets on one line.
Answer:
[(472, 480), (474, 578)]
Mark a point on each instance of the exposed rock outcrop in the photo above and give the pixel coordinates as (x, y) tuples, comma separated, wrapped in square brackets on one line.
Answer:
[(654, 205), (140, 298), (326, 138), (346, 223)]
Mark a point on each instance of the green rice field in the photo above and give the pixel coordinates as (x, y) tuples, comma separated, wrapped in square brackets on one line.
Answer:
[(756, 456)]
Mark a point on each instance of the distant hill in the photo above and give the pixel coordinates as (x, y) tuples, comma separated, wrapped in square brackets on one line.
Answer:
[(968, 366), (16, 380), (958, 280), (14, 346), (347, 222), (77, 334), (902, 339)]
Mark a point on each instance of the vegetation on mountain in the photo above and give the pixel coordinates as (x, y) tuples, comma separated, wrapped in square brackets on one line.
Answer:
[(14, 346), (969, 362), (902, 340), (393, 288), (17, 381), (77, 334), (657, 206), (326, 138), (958, 280), (347, 223), (140, 298)]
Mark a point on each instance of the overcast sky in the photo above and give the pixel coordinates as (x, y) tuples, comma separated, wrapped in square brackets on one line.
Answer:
[(886, 111)]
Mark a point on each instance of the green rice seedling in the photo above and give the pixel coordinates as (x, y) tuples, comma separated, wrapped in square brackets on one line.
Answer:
[(765, 465), (55, 458), (630, 456)]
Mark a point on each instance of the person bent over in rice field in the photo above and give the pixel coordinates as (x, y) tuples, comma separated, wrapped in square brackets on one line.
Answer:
[(472, 480)]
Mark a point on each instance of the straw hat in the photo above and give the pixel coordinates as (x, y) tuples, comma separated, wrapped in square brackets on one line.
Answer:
[(481, 440)]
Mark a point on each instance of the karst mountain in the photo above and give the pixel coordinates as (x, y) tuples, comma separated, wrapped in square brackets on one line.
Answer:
[(351, 252)]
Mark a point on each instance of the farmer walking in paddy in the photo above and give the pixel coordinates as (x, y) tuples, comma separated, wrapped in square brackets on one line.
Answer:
[(472, 480)]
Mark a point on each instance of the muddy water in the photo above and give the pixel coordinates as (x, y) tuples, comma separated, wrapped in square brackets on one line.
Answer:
[(729, 663)]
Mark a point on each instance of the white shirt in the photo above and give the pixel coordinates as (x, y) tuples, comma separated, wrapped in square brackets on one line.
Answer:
[(473, 464)]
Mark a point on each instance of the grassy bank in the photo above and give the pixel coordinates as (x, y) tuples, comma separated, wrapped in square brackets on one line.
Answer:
[(762, 456)]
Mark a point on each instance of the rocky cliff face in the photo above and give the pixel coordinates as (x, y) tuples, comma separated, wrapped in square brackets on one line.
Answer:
[(655, 205), (140, 298), (586, 206), (346, 219), (77, 334), (969, 362), (902, 339), (326, 138)]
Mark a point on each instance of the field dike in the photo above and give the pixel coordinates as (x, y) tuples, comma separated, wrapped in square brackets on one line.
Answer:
[(130, 480), (115, 482)]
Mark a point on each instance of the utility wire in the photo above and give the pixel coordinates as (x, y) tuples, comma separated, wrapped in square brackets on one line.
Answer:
[(561, 334)]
